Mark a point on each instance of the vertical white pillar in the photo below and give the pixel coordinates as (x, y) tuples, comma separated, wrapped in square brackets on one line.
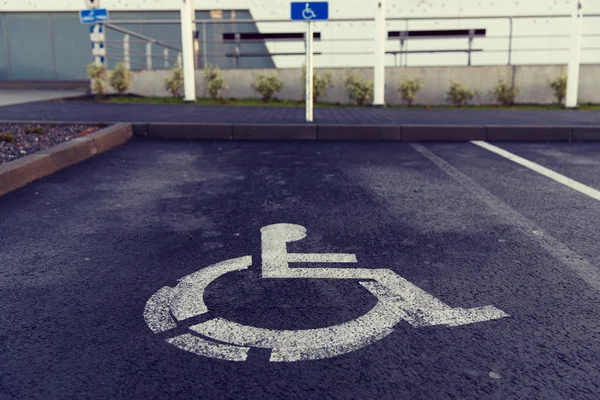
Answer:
[(166, 58), (204, 51), (309, 71), (149, 56), (126, 54), (379, 70), (187, 45), (574, 56)]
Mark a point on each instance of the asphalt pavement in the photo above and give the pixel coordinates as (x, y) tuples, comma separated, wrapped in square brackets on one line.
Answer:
[(104, 274)]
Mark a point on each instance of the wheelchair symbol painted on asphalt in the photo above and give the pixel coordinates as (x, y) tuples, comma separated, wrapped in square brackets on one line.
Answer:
[(398, 300)]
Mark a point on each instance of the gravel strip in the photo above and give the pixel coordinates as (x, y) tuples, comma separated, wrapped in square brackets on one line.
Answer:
[(18, 141)]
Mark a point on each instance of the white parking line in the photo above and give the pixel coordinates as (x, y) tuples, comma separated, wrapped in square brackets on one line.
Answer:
[(580, 265), (580, 187)]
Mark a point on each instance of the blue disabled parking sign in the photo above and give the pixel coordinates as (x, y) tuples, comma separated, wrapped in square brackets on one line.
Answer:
[(93, 15), (310, 11)]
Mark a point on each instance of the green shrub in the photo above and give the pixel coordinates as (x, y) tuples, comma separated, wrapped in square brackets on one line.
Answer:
[(504, 93), (174, 83), (97, 73), (7, 137), (214, 81), (120, 78), (38, 130), (559, 88), (459, 94), (320, 84), (99, 86), (267, 86), (358, 91), (408, 88)]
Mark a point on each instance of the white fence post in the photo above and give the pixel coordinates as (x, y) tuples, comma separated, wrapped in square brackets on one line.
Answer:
[(187, 45), (574, 57), (149, 56), (166, 56), (379, 69), (126, 54), (204, 52)]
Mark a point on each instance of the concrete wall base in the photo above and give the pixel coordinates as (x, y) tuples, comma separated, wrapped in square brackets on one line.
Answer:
[(533, 81)]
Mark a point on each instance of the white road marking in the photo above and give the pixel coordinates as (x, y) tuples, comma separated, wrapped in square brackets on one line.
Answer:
[(581, 266), (309, 344), (188, 301), (580, 187), (321, 258), (275, 257), (157, 313), (398, 299), (313, 344), (203, 347), (419, 307)]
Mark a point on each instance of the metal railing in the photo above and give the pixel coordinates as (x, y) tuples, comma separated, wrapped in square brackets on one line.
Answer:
[(237, 49), (130, 57)]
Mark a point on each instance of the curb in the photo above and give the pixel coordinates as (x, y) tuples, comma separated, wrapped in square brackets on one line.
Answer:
[(20, 172), (359, 132), (528, 133), (586, 133), (49, 122), (208, 131), (362, 132), (274, 132), (443, 132), (185, 131)]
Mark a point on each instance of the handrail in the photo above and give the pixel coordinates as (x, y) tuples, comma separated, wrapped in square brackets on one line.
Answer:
[(333, 20), (140, 36), (369, 39), (202, 59)]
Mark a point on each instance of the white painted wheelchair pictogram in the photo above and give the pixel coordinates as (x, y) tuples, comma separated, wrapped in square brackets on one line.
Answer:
[(308, 13), (398, 300), (90, 15)]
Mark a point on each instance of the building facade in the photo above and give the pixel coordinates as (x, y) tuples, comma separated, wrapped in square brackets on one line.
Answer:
[(44, 39)]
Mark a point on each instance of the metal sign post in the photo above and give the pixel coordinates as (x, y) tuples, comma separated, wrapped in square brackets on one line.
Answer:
[(309, 12), (98, 39), (309, 71)]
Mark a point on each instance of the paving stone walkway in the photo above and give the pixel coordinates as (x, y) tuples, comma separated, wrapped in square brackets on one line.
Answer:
[(85, 111)]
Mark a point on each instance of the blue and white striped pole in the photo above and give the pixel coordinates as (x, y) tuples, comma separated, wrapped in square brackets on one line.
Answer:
[(98, 39)]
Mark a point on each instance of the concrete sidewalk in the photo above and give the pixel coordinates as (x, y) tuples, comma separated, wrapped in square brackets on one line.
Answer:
[(21, 96), (83, 111)]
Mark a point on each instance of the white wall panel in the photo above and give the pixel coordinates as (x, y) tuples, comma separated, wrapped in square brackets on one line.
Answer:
[(333, 32)]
